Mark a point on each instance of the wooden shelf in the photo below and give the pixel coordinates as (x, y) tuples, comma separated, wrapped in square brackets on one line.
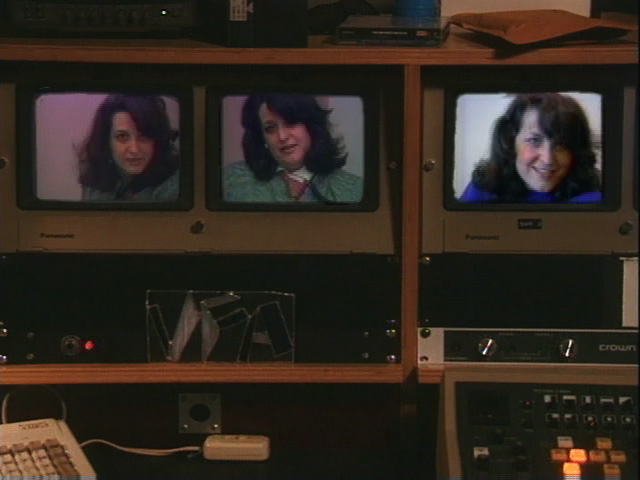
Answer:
[(461, 48), (198, 373), (431, 374)]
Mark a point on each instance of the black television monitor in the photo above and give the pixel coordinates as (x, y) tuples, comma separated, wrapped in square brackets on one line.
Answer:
[(531, 163)]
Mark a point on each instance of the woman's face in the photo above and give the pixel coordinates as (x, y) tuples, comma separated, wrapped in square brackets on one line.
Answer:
[(541, 165), (131, 150), (289, 144)]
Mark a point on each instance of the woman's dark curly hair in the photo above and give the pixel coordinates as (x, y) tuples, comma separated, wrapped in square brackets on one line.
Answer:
[(564, 122), (97, 167), (326, 153)]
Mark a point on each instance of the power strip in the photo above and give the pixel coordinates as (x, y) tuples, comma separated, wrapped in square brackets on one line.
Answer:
[(236, 447)]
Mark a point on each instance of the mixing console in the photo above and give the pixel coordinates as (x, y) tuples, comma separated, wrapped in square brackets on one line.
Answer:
[(536, 423)]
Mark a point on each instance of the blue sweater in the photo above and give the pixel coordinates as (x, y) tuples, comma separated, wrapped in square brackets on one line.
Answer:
[(473, 194)]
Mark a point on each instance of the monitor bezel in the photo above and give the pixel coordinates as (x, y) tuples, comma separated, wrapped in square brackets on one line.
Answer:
[(370, 201), (611, 137), (26, 96)]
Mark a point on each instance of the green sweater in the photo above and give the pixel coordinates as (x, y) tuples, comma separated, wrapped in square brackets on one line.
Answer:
[(240, 185), (165, 192)]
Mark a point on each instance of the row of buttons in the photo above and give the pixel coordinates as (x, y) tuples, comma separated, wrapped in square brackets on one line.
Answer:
[(590, 421), (574, 471), (586, 402), (579, 455)]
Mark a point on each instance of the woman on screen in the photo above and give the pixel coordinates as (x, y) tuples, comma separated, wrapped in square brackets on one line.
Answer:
[(129, 153), (290, 155), (541, 152)]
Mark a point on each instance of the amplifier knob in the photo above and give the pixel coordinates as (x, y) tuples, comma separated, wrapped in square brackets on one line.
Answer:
[(487, 347), (568, 348)]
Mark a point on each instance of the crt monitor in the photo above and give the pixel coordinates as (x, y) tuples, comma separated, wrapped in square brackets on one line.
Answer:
[(104, 148), (293, 151), (529, 166), (302, 165), (91, 165)]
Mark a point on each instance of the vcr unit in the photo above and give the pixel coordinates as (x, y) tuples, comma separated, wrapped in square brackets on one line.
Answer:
[(100, 18)]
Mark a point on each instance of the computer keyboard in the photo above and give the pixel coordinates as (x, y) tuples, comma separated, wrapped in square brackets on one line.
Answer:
[(43, 449)]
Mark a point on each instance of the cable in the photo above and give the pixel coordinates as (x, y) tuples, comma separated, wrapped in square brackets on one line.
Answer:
[(5, 400), (143, 451)]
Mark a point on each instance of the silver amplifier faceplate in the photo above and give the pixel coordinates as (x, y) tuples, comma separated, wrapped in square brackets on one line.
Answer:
[(494, 345)]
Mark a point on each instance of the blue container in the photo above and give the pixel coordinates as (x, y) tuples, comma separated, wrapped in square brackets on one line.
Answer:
[(417, 8)]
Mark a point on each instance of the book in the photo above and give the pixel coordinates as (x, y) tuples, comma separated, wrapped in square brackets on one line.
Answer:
[(391, 30)]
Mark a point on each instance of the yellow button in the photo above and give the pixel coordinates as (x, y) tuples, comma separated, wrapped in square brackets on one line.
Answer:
[(604, 443), (599, 456), (571, 471), (577, 455), (559, 455), (618, 456), (611, 471)]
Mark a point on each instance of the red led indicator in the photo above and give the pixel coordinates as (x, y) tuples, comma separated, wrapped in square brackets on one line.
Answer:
[(89, 345)]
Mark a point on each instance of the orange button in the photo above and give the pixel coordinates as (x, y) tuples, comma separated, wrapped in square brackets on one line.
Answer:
[(577, 455), (559, 455), (611, 471), (571, 471), (599, 456), (617, 456), (604, 443)]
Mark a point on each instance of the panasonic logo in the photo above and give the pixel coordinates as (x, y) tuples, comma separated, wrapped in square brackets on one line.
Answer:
[(57, 235), (612, 347), (481, 237)]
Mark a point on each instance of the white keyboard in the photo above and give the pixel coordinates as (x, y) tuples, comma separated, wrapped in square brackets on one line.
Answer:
[(41, 449)]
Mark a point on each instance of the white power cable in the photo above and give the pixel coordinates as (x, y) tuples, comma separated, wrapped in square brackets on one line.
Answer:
[(143, 451)]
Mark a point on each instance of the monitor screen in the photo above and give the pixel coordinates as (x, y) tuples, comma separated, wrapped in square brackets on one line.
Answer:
[(104, 148), (293, 151), (534, 150)]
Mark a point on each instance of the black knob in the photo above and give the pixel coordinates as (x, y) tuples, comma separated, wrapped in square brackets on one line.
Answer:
[(625, 228), (197, 227)]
